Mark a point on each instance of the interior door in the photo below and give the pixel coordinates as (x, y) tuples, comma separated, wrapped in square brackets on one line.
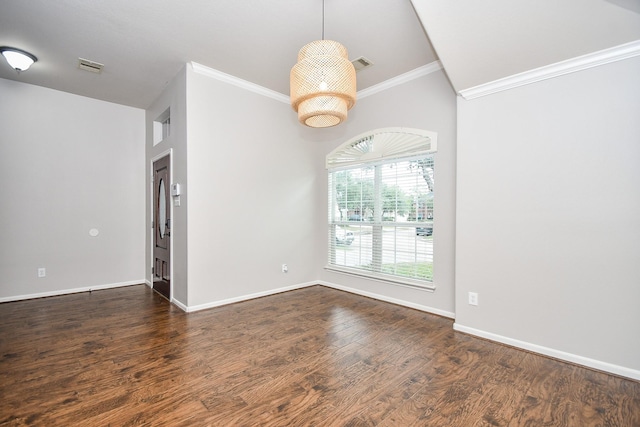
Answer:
[(162, 226)]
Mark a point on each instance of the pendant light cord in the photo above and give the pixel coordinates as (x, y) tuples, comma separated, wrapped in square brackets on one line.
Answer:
[(322, 19)]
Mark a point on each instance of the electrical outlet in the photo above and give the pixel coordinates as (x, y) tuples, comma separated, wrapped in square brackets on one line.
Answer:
[(473, 298), (285, 268), (42, 272)]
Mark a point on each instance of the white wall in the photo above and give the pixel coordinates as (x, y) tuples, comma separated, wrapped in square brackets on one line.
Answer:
[(425, 103), (548, 216), (68, 164), (251, 191)]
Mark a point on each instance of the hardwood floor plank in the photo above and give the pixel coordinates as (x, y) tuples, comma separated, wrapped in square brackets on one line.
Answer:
[(311, 357)]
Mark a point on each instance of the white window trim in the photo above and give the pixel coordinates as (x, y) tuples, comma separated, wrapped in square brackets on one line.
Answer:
[(377, 147), (381, 277), (382, 144)]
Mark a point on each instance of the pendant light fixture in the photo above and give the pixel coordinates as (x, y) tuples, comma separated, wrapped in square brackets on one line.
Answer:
[(18, 59), (323, 83)]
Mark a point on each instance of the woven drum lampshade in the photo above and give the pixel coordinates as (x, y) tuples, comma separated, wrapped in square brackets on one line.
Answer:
[(323, 84)]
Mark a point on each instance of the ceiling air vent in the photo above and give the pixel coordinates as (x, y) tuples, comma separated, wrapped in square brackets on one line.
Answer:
[(94, 67), (361, 63)]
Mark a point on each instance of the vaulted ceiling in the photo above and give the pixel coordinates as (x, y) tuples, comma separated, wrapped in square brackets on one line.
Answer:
[(144, 43), (483, 41)]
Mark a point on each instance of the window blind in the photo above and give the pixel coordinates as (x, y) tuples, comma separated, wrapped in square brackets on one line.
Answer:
[(381, 219)]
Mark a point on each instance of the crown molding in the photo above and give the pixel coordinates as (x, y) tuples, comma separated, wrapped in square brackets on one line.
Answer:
[(602, 57), (244, 84), (398, 80), (261, 90)]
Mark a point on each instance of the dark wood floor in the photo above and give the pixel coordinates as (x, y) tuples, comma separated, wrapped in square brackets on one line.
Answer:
[(314, 356)]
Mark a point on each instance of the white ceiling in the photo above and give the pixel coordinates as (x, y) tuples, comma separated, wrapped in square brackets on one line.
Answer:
[(483, 41), (144, 43)]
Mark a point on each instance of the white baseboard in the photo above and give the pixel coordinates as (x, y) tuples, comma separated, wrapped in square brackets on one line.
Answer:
[(427, 309), (556, 354), (180, 305), (71, 291), (174, 301), (388, 299), (190, 309)]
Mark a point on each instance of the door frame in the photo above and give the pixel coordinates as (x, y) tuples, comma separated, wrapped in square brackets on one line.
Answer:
[(151, 224)]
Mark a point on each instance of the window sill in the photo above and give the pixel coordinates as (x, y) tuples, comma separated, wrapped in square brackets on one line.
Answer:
[(393, 280)]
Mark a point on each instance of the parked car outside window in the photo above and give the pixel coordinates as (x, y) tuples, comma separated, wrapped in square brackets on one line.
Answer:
[(343, 237), (427, 230)]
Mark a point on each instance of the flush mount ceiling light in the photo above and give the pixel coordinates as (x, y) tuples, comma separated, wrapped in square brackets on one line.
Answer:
[(18, 59), (323, 83)]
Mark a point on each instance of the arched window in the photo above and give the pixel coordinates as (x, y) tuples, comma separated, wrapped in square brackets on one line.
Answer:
[(381, 195)]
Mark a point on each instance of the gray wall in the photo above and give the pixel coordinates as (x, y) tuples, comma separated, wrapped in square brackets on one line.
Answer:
[(256, 189), (251, 194), (539, 215), (68, 164), (427, 103), (548, 215)]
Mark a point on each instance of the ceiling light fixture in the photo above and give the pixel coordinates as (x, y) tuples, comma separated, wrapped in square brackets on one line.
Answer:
[(18, 59), (323, 83)]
